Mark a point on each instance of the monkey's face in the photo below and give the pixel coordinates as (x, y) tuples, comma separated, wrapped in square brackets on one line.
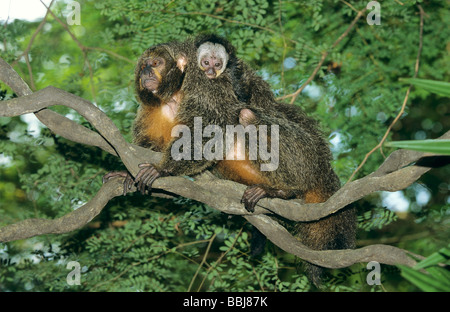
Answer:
[(150, 75), (212, 59), (157, 74)]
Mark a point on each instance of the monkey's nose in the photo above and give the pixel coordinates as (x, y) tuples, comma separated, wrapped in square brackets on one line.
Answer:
[(146, 71), (210, 72)]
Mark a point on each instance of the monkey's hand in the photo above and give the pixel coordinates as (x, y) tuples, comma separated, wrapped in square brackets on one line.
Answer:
[(254, 193), (147, 175), (127, 183)]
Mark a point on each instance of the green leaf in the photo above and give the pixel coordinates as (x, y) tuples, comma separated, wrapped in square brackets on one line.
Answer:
[(432, 282), (432, 146), (438, 87), (441, 256)]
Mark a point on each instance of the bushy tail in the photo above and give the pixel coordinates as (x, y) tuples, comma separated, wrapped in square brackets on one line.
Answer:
[(336, 231)]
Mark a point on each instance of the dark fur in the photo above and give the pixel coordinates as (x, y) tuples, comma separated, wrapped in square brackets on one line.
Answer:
[(304, 169), (304, 166), (214, 101), (206, 98), (172, 78)]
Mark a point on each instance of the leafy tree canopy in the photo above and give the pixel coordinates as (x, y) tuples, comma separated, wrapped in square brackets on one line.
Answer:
[(151, 244)]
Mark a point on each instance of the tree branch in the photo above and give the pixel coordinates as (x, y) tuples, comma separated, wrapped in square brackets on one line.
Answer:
[(57, 123), (294, 95), (219, 194), (405, 101)]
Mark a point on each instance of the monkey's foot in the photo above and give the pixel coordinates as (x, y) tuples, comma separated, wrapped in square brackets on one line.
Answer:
[(127, 183), (254, 193), (147, 175)]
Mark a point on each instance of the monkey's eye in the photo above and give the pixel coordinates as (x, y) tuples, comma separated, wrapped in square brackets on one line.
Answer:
[(154, 63), (206, 63), (218, 65)]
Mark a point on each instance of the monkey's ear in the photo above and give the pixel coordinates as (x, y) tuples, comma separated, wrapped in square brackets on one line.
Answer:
[(181, 62)]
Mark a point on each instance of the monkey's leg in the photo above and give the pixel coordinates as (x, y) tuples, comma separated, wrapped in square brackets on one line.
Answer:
[(127, 183), (257, 243), (254, 193), (147, 175)]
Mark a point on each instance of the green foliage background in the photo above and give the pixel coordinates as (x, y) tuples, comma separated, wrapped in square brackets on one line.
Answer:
[(146, 244)]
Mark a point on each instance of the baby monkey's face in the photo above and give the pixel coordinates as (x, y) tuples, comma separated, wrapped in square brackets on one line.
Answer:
[(212, 58)]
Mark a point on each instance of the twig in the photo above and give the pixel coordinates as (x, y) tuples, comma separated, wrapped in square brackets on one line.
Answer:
[(405, 100), (219, 260), (82, 48), (27, 50), (116, 55), (203, 261), (294, 95), (33, 37), (242, 23), (283, 58), (349, 5)]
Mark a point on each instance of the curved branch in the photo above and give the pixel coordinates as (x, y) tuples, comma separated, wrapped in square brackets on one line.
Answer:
[(390, 177), (272, 229), (294, 95), (405, 100), (57, 123), (50, 96), (67, 223), (219, 194), (333, 259)]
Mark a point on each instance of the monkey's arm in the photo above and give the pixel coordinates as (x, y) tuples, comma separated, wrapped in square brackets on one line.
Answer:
[(183, 155), (251, 88), (169, 166)]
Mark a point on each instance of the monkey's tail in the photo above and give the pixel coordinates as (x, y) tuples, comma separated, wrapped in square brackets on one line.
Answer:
[(336, 231)]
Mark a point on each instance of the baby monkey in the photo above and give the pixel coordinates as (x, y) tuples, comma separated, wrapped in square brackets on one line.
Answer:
[(212, 58), (205, 94), (215, 55)]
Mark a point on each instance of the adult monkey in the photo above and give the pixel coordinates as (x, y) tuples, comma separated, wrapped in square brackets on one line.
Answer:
[(173, 91), (304, 169), (158, 79), (211, 89)]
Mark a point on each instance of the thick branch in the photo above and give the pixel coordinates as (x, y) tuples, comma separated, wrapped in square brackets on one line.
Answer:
[(69, 222), (220, 194), (50, 96), (334, 259), (273, 230), (57, 123), (204, 190), (388, 178)]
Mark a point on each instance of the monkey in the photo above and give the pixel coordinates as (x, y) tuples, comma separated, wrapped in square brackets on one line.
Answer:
[(304, 169), (157, 83), (158, 79), (198, 97), (229, 92)]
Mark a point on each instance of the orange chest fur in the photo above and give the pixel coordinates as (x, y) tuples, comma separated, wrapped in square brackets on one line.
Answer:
[(157, 125), (242, 171)]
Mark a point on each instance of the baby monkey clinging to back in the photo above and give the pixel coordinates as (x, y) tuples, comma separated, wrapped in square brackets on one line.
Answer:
[(304, 169), (212, 58), (200, 98)]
